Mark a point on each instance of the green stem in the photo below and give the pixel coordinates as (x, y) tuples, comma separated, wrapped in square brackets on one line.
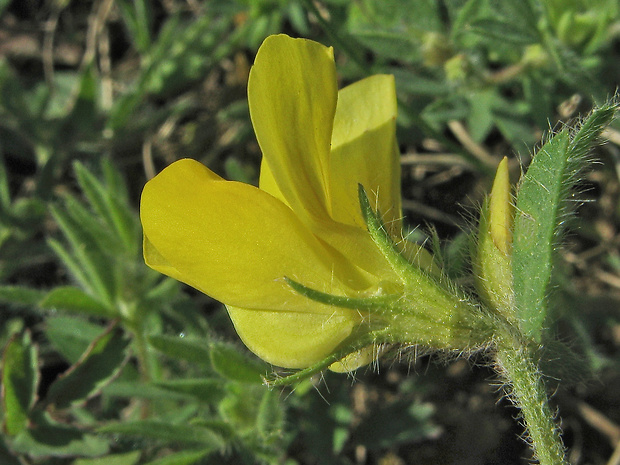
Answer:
[(527, 391)]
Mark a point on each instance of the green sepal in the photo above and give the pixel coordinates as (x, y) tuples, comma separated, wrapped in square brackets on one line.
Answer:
[(432, 310), (401, 266), (373, 303), (356, 341)]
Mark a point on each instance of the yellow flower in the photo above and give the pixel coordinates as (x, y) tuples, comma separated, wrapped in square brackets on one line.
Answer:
[(238, 243)]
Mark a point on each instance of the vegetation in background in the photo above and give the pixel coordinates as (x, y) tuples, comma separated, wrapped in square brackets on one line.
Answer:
[(107, 362)]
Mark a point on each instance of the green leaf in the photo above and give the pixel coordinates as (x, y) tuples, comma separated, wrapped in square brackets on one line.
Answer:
[(571, 69), (20, 377), (504, 30), (101, 362), (481, 119), (166, 432), (114, 181), (463, 15), (537, 211), (20, 295), (74, 299), (83, 113), (388, 44), (72, 265), (90, 258), (418, 84), (92, 225), (70, 336), (190, 350), (240, 407), (591, 128), (103, 199), (235, 366), (128, 458), (56, 105), (182, 458), (94, 191), (10, 327), (270, 418), (5, 190), (209, 390), (543, 203), (137, 18), (49, 438), (182, 54), (142, 390)]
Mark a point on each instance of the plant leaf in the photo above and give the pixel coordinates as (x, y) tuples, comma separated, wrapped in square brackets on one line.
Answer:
[(270, 418), (20, 295), (20, 377), (209, 390), (166, 432), (182, 458), (101, 362), (90, 258), (235, 366), (541, 209), (49, 438), (74, 299), (537, 211), (190, 350), (109, 207), (128, 458), (70, 336), (142, 390)]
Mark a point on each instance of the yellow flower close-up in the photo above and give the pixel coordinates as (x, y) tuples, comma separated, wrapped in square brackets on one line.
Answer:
[(237, 243)]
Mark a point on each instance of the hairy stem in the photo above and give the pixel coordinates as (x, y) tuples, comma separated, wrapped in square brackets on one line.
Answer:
[(527, 391)]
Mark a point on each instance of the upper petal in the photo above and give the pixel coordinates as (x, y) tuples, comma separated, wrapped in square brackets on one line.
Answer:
[(233, 241), (364, 151), (268, 183), (292, 93)]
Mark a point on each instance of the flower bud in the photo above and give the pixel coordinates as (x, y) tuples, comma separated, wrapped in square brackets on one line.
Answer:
[(492, 255)]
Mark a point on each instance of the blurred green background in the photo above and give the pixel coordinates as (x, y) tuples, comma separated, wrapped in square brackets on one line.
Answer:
[(106, 362)]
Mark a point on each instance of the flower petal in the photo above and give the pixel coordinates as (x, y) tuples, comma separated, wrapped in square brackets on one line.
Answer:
[(155, 260), (357, 359), (357, 247), (292, 340), (364, 151), (292, 93), (233, 241), (268, 183)]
